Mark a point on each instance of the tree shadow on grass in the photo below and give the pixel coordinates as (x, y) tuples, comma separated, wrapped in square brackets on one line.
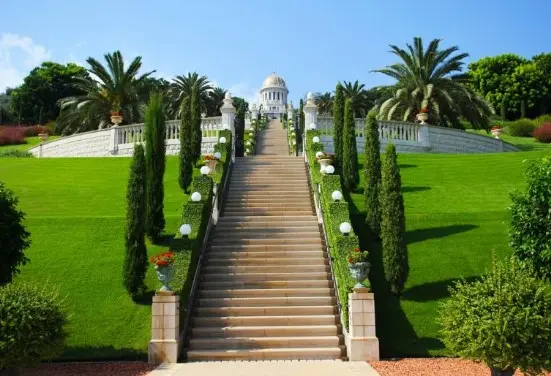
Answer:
[(414, 189), (433, 290), (164, 240), (422, 234), (405, 165), (97, 353), (145, 299)]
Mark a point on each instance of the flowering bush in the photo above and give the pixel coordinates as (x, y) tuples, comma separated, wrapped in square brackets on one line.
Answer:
[(209, 157), (163, 260), (325, 155), (116, 113), (12, 135), (357, 255), (35, 130), (543, 133), (495, 127)]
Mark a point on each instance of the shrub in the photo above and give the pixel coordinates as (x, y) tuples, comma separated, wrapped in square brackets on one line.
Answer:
[(543, 133), (155, 157), (338, 121), (542, 119), (195, 116), (530, 226), (11, 153), (522, 128), (503, 320), (393, 224), (14, 238), (12, 136), (32, 320), (186, 146), (372, 173), (135, 260), (350, 176), (35, 130)]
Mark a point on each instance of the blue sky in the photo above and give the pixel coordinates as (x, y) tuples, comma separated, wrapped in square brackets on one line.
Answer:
[(311, 44)]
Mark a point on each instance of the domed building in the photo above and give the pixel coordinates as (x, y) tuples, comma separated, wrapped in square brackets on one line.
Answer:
[(273, 96)]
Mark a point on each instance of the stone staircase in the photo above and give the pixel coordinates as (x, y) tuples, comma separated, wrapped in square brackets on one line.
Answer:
[(266, 290)]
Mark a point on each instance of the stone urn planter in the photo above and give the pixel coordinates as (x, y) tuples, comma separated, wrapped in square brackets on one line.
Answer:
[(164, 274), (116, 119), (359, 272), (496, 132), (422, 117), (325, 162), (212, 165), (43, 136)]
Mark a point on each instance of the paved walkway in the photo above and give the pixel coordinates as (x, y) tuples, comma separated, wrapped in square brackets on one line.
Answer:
[(267, 368)]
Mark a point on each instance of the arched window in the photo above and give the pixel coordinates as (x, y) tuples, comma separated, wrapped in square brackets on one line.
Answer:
[(278, 95)]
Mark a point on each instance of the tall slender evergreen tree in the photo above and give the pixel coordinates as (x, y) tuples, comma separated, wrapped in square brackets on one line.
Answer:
[(155, 156), (135, 260), (372, 174), (196, 133), (350, 176), (338, 122), (186, 145), (300, 125), (393, 224), (239, 124)]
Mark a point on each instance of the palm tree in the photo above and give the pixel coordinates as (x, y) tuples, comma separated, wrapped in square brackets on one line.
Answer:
[(357, 93), (216, 97), (181, 88), (324, 102), (432, 78), (110, 88)]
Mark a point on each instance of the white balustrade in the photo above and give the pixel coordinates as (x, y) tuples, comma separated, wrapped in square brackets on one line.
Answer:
[(390, 130)]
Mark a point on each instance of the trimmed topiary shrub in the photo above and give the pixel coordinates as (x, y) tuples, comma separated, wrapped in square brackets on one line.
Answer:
[(338, 122), (503, 320), (135, 260), (372, 174), (14, 238), (155, 157), (522, 128), (543, 133), (393, 224), (32, 320), (12, 136), (530, 226), (542, 119), (350, 178), (186, 146)]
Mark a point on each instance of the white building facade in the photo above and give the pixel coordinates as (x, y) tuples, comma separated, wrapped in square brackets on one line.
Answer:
[(273, 97)]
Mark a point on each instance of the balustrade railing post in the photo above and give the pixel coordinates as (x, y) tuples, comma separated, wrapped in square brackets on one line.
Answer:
[(113, 140), (423, 136)]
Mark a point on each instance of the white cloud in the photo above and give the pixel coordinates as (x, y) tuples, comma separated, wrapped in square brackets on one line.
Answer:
[(18, 55), (245, 91)]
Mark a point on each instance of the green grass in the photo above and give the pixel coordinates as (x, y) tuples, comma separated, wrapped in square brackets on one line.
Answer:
[(31, 142), (76, 215), (456, 218)]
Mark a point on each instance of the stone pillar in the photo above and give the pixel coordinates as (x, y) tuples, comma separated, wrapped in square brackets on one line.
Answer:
[(362, 343), (310, 117), (113, 140), (165, 329), (290, 111), (423, 136), (228, 118), (254, 112)]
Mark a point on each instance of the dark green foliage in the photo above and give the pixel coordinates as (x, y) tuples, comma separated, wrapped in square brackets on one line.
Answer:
[(32, 320), (393, 224), (14, 239), (503, 320), (186, 146), (530, 227), (203, 184), (523, 108), (239, 124), (372, 174), (350, 177), (14, 153), (135, 260), (522, 128), (155, 134), (300, 126), (338, 122), (312, 148), (195, 115)]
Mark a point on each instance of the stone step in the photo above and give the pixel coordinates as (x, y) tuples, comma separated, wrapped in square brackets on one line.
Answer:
[(213, 260), (290, 353), (265, 268), (293, 187), (270, 255), (266, 331), (277, 205), (274, 219), (276, 292), (261, 234), (313, 239), (264, 248), (268, 193), (273, 276), (265, 284), (252, 227), (268, 200), (266, 212), (267, 301), (265, 320), (265, 342)]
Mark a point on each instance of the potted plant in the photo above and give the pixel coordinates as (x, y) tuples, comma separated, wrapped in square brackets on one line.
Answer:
[(325, 159), (496, 131), (163, 263), (423, 115), (116, 117), (210, 161), (359, 266)]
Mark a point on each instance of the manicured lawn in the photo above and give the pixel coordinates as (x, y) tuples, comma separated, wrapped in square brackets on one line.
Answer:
[(456, 218), (31, 141), (76, 214)]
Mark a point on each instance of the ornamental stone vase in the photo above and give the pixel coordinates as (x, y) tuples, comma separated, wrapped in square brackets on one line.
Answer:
[(212, 165), (325, 162), (359, 272), (116, 119), (496, 132), (164, 274), (423, 117)]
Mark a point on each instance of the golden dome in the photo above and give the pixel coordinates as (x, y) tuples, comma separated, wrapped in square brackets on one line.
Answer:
[(274, 80)]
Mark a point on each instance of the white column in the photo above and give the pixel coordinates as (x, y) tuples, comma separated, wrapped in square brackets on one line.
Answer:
[(113, 140), (165, 329), (290, 111), (362, 343), (254, 112), (310, 117), (423, 136), (228, 117)]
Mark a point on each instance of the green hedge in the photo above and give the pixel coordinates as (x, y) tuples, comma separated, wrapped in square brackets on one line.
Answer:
[(334, 213)]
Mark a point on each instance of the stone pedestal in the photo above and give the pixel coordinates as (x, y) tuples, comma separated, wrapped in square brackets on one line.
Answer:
[(362, 342), (228, 118), (165, 329), (310, 116)]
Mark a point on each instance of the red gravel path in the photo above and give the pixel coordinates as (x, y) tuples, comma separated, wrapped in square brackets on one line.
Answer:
[(90, 369), (432, 367)]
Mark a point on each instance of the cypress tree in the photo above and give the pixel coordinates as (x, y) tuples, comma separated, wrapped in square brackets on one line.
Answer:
[(372, 174), (393, 224), (155, 134), (196, 123), (300, 125), (239, 124), (135, 260), (350, 176), (338, 122), (186, 146)]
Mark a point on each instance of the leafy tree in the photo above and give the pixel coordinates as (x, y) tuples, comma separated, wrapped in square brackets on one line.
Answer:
[(151, 85), (543, 64), (181, 88), (393, 223), (359, 96), (14, 238), (324, 102), (239, 124), (338, 122), (186, 145), (113, 88), (7, 114), (425, 78), (350, 176), (237, 101), (216, 98), (36, 100), (135, 260), (503, 320), (530, 226), (372, 174), (196, 133), (380, 94), (155, 157)]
